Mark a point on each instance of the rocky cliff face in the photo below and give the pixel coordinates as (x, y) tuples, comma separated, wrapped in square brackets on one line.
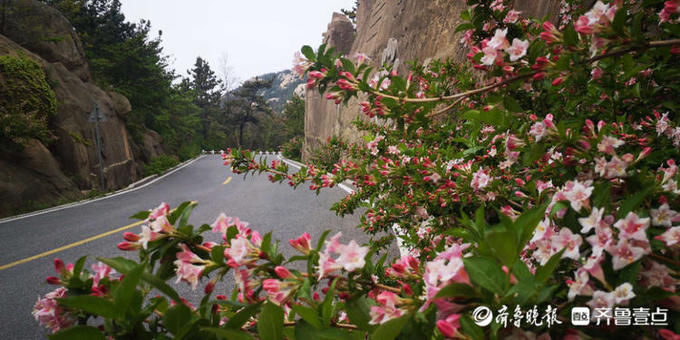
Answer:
[(45, 174), (394, 31)]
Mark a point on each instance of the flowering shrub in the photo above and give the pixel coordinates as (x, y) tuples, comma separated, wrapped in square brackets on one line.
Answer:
[(544, 180)]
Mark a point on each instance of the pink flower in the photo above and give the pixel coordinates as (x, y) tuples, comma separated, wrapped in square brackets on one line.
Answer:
[(302, 243), (221, 225), (387, 308), (490, 55), (632, 227), (624, 253), (670, 237), (569, 241), (405, 267), (161, 224), (148, 235), (543, 230), (511, 17), (373, 145), (592, 221), (279, 292), (608, 144), (241, 252), (49, 314), (602, 240), (664, 216), (658, 275), (161, 210), (188, 272), (602, 300), (101, 271), (186, 255), (352, 256), (246, 283), (614, 168), (449, 327), (596, 73), (538, 130), (577, 194), (580, 285), (480, 179), (499, 41), (327, 265), (623, 293), (518, 49)]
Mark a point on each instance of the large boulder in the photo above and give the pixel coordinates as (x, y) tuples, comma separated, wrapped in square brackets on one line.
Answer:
[(48, 174), (44, 31)]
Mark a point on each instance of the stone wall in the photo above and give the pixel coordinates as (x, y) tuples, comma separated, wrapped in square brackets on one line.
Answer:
[(396, 31)]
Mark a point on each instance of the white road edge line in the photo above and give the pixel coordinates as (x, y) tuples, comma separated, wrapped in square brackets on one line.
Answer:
[(400, 244), (114, 194)]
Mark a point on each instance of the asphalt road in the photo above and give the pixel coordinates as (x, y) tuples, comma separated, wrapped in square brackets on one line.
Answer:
[(268, 207)]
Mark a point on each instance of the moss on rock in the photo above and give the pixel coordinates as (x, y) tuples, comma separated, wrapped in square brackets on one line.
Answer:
[(26, 101)]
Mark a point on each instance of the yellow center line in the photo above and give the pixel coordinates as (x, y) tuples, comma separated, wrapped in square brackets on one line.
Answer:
[(68, 246), (227, 181)]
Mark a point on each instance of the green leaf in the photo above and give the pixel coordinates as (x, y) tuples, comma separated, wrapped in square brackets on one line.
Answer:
[(503, 243), (174, 215), (632, 202), (126, 290), (176, 318), (570, 36), (308, 314), (217, 254), (464, 27), (511, 104), (485, 273), (91, 304), (455, 290), (527, 222), (327, 305), (78, 333), (240, 318), (390, 329), (78, 268), (270, 322), (124, 266), (224, 333), (470, 328), (267, 243), (620, 20), (308, 52), (186, 213), (543, 273), (358, 310), (142, 215)]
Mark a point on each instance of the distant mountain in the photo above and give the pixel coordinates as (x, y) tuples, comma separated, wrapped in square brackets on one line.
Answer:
[(285, 84)]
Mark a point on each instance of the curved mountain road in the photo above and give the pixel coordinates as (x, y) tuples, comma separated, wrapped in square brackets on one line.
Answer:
[(266, 206)]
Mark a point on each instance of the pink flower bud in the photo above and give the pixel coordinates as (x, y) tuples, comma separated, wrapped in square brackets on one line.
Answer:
[(558, 81), (59, 266), (539, 76), (132, 237), (53, 280), (271, 285), (127, 246), (283, 272)]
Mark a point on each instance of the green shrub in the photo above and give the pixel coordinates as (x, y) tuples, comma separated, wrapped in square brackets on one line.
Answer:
[(26, 101), (159, 164), (292, 149)]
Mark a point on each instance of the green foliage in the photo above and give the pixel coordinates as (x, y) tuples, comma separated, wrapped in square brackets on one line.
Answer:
[(26, 101), (292, 149), (327, 154), (159, 164)]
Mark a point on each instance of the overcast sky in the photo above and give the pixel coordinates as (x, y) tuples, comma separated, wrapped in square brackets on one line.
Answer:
[(258, 36)]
